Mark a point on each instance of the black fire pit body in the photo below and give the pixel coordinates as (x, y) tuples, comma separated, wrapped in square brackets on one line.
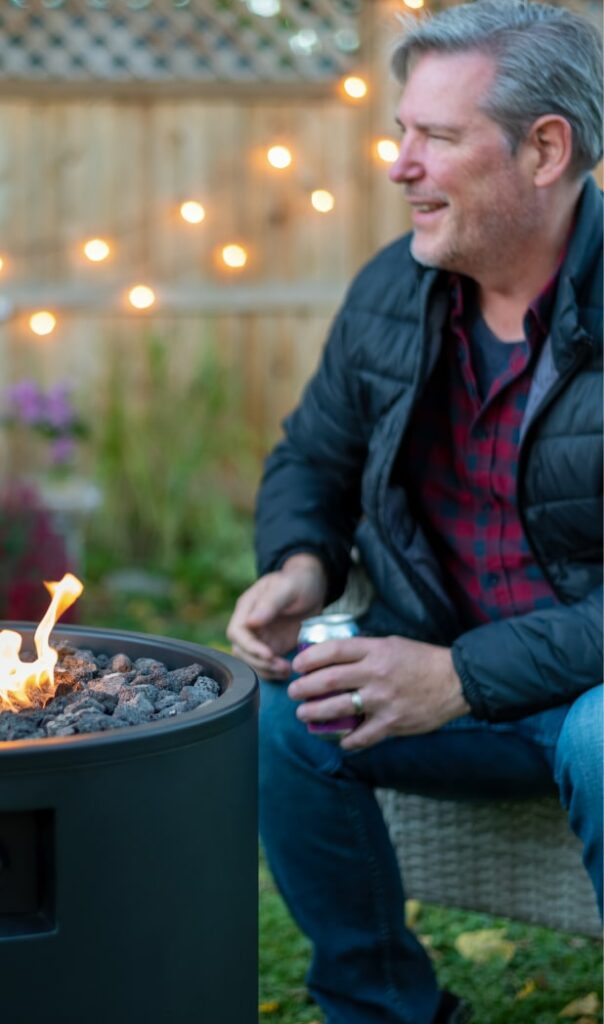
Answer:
[(128, 859)]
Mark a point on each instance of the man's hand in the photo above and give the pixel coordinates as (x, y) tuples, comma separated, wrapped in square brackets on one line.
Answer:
[(267, 616), (406, 687)]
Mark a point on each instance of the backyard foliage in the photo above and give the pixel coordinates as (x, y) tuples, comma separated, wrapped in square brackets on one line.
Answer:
[(177, 472)]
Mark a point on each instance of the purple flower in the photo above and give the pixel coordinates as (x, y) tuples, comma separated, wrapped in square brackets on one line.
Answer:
[(49, 413), (25, 402), (58, 411), (62, 451)]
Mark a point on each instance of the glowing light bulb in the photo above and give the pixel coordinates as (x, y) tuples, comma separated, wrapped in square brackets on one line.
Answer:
[(355, 87), (234, 256), (414, 4), (279, 157), (42, 322), (96, 250), (387, 150), (322, 200), (2, 263), (141, 296), (192, 211)]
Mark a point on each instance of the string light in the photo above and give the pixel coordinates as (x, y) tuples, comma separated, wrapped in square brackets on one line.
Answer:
[(279, 157), (141, 296), (414, 4), (234, 256), (42, 322), (96, 250), (355, 87), (2, 263), (387, 150), (192, 211), (322, 200)]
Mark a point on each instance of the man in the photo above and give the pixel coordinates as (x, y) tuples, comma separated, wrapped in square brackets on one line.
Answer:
[(452, 434)]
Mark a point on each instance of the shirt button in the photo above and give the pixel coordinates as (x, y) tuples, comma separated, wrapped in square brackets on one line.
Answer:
[(493, 579)]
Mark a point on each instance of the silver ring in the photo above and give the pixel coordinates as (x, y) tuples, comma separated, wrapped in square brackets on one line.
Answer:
[(357, 702)]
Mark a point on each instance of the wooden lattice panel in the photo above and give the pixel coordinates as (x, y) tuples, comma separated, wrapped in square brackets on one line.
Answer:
[(181, 40)]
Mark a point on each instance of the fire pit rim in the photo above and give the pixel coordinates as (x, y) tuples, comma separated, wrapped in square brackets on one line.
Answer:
[(238, 700)]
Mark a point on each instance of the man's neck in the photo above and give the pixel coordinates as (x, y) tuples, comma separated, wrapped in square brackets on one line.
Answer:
[(505, 294)]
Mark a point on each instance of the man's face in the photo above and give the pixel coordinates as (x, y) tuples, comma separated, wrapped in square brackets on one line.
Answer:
[(472, 201)]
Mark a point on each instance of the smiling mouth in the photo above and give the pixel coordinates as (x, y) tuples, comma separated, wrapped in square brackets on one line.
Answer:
[(427, 207)]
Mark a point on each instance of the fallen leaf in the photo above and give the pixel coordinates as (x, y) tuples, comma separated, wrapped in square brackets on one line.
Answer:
[(271, 1006), (413, 909), (428, 943), (527, 989), (484, 945), (589, 1004)]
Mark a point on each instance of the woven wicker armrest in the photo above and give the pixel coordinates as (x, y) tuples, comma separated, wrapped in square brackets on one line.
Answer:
[(514, 858)]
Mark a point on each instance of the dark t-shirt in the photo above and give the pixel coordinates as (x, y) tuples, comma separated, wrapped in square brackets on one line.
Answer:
[(490, 356)]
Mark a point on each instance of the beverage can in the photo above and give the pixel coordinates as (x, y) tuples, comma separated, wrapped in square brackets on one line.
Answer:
[(333, 626)]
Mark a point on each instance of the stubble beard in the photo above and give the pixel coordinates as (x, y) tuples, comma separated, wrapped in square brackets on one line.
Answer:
[(500, 239)]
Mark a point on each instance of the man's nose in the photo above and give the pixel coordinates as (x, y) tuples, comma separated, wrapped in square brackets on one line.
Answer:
[(407, 166)]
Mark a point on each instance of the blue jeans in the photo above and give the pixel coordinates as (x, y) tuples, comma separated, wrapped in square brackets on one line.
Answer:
[(331, 857)]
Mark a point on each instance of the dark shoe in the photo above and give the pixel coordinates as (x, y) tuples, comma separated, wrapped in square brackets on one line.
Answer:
[(453, 1010)]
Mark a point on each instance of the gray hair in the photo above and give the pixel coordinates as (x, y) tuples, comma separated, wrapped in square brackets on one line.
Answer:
[(548, 61)]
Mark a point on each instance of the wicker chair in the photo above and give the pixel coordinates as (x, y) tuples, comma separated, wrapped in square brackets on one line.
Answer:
[(517, 858)]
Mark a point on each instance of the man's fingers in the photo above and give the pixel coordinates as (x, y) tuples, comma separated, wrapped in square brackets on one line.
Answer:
[(331, 652), (334, 679), (326, 710), (268, 668), (367, 734), (264, 601)]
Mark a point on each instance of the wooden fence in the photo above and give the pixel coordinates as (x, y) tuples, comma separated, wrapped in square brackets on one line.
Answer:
[(119, 164)]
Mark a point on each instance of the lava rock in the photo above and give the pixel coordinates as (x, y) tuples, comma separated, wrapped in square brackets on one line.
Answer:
[(166, 700), (107, 689), (179, 677), (135, 711), (131, 693), (89, 721), (149, 666), (203, 689), (60, 726), (119, 663), (175, 709)]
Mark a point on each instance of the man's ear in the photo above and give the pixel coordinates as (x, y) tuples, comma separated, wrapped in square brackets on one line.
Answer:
[(551, 142)]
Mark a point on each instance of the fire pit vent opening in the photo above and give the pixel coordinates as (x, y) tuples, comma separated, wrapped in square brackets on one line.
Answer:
[(129, 858), (27, 904)]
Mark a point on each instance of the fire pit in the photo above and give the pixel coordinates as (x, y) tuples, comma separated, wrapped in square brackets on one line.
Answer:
[(128, 858)]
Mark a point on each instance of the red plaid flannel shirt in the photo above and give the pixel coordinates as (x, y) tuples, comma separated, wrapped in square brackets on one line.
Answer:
[(460, 465)]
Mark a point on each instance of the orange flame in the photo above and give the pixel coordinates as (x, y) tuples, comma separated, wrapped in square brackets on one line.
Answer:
[(31, 683)]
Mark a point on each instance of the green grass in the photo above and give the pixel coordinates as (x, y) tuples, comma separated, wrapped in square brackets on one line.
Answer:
[(561, 967)]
